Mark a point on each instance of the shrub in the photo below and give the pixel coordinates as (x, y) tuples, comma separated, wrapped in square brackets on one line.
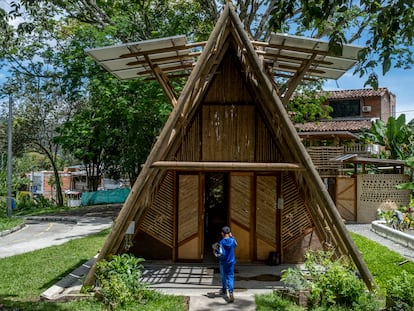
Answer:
[(26, 205), (119, 281), (400, 292), (330, 283)]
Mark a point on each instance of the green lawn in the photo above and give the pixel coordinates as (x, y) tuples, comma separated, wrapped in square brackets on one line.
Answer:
[(24, 277), (7, 223), (383, 263)]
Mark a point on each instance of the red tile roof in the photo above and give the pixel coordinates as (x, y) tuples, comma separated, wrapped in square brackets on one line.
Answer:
[(348, 94), (335, 126)]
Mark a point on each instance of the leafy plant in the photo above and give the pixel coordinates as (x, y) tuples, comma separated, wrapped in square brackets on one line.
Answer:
[(26, 205), (330, 283), (119, 280), (400, 292)]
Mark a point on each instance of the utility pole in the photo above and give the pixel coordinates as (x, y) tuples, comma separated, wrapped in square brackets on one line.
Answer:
[(9, 160)]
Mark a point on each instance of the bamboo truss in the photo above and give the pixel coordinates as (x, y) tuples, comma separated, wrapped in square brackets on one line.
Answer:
[(278, 151)]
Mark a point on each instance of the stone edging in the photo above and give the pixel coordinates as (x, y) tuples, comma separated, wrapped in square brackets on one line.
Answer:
[(52, 218), (38, 218), (400, 237), (14, 229)]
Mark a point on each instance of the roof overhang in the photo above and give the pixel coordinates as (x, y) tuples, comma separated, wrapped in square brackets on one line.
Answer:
[(328, 135), (364, 160), (287, 54), (289, 57)]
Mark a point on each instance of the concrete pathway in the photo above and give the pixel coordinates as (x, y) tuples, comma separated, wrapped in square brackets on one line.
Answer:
[(41, 232), (202, 284)]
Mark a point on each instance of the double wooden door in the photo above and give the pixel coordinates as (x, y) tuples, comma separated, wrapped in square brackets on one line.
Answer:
[(248, 207)]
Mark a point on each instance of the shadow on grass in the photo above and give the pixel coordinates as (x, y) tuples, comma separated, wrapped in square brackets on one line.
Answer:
[(60, 279), (84, 305)]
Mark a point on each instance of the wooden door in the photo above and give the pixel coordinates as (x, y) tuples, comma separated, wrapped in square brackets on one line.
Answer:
[(266, 217), (189, 219), (240, 212), (346, 198)]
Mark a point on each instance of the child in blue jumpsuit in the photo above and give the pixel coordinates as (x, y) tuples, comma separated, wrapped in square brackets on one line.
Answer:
[(224, 250)]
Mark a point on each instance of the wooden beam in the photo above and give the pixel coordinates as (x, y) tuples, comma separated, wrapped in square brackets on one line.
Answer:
[(174, 48), (163, 81), (296, 79), (226, 166)]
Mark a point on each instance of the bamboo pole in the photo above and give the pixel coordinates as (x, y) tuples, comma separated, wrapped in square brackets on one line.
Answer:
[(147, 173), (226, 166), (313, 179)]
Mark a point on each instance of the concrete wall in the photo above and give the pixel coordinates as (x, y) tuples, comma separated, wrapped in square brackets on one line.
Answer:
[(377, 191)]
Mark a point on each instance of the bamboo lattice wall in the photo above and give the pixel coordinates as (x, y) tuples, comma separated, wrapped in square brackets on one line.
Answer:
[(296, 221), (159, 218), (266, 221), (322, 159)]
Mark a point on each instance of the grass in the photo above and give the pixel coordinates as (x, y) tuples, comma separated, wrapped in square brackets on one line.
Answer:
[(24, 277), (7, 223), (271, 302), (382, 262)]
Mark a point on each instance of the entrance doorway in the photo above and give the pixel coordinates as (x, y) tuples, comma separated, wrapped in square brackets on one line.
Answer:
[(215, 209)]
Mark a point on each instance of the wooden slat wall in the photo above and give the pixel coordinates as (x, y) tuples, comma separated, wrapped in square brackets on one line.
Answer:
[(228, 133), (188, 224), (241, 213), (228, 84), (266, 233), (322, 159), (159, 219), (190, 142), (295, 218), (266, 148)]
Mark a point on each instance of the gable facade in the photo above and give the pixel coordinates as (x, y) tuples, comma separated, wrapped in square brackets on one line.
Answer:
[(228, 155)]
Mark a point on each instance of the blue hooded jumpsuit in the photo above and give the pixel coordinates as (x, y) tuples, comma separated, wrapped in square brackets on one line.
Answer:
[(227, 262)]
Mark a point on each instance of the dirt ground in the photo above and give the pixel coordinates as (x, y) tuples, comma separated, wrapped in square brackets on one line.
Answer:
[(92, 211)]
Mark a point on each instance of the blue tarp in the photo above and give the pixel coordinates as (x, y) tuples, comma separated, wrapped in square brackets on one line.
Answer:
[(105, 197)]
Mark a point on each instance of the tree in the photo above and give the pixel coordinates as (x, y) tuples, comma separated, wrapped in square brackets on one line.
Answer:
[(308, 104), (40, 111), (49, 46), (386, 28), (395, 135)]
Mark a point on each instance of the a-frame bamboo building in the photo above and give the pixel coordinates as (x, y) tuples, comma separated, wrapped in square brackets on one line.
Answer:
[(228, 153)]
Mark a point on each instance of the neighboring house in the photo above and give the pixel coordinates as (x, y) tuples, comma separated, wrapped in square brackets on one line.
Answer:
[(338, 153), (353, 111), (73, 179), (42, 183), (362, 103)]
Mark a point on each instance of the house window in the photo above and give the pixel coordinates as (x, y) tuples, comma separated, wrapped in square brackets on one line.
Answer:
[(345, 108)]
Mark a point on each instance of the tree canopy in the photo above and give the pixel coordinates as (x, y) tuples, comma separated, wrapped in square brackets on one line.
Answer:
[(103, 121)]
